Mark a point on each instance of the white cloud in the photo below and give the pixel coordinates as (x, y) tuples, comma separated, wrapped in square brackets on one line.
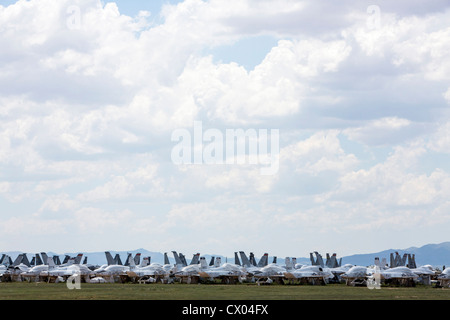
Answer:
[(440, 140), (379, 182), (141, 182), (15, 227), (320, 152), (447, 95), (58, 203), (384, 131), (276, 87), (242, 179), (98, 221), (4, 187)]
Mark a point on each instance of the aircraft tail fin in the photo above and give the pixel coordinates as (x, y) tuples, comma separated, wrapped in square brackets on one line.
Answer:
[(56, 260), (398, 260), (9, 261), (403, 260), (333, 261), (130, 261), (236, 259), (203, 263), (183, 259), (218, 262), (311, 258), (195, 259), (109, 258), (377, 262), (18, 260), (137, 259), (44, 257), (264, 260), (412, 261), (166, 258), (38, 260), (51, 263), (244, 259), (319, 259), (145, 262), (177, 259), (288, 263), (117, 259), (5, 260), (25, 260), (328, 262), (78, 258), (252, 259)]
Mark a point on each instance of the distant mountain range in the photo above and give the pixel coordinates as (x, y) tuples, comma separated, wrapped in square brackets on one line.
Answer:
[(434, 254)]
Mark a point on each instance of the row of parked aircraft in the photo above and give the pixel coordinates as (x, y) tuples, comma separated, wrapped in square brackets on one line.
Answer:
[(402, 270)]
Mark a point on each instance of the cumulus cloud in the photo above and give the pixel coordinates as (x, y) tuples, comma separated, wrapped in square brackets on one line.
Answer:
[(440, 139), (320, 152), (384, 131)]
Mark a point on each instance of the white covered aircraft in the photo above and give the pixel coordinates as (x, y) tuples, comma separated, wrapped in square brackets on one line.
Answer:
[(111, 269), (398, 273), (226, 271), (312, 274), (339, 271), (356, 275), (401, 275), (252, 268), (66, 270), (35, 271), (444, 278), (145, 269)]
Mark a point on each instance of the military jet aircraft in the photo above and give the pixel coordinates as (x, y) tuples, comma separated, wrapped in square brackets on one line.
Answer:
[(148, 270), (113, 268), (35, 272), (339, 271), (425, 274), (399, 275), (227, 272), (252, 267), (310, 274), (356, 275), (444, 278), (65, 271)]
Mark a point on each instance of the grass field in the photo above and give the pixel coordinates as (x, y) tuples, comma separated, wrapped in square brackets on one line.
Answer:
[(52, 291)]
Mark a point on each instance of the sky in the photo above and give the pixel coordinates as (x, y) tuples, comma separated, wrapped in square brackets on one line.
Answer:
[(355, 97)]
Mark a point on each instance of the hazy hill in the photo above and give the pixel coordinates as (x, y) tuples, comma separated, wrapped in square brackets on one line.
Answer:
[(434, 254)]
